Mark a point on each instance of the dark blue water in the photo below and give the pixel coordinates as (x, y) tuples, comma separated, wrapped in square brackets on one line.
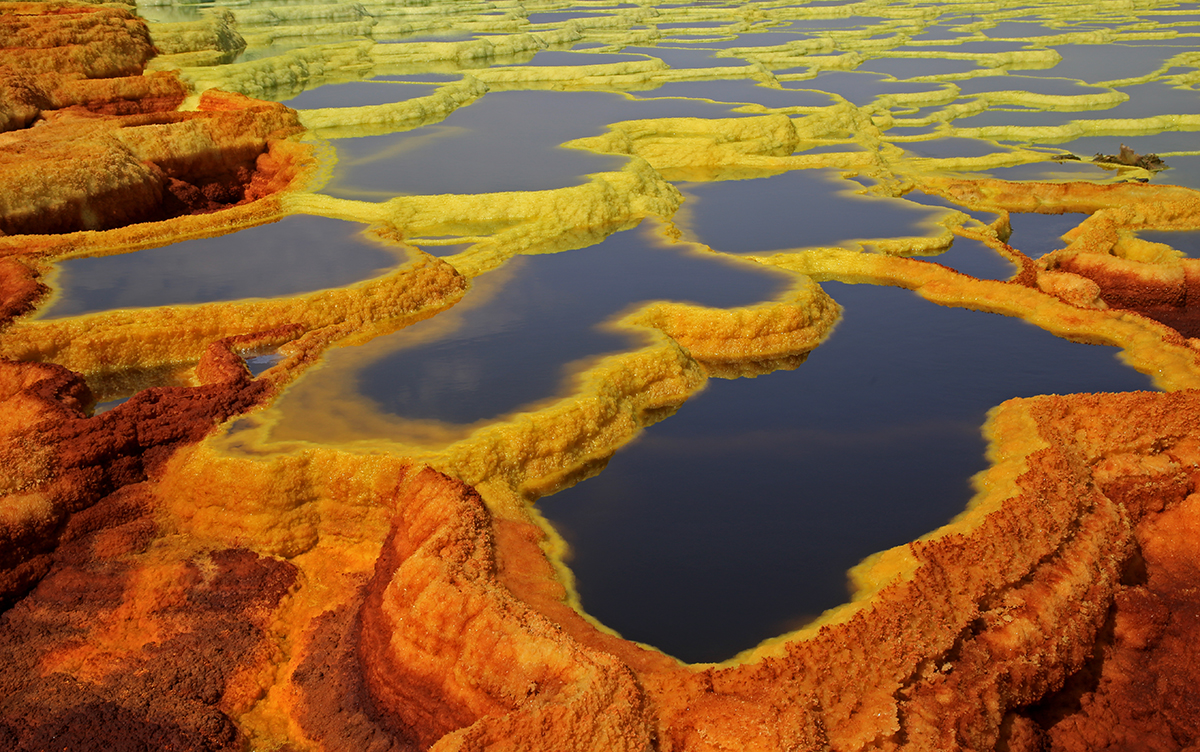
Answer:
[(359, 94), (516, 348), (736, 519), (1187, 241), (796, 209), (1035, 235), (298, 254)]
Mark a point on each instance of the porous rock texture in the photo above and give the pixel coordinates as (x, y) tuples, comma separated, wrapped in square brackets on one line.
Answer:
[(159, 594), (1033, 622), (87, 142)]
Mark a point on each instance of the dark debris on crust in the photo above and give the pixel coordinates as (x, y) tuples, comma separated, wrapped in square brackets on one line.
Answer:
[(1127, 157), (1130, 158)]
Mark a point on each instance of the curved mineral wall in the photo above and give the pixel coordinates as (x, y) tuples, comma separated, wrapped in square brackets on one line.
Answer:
[(195, 555)]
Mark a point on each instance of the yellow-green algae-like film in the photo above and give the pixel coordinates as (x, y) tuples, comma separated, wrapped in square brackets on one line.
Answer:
[(658, 196)]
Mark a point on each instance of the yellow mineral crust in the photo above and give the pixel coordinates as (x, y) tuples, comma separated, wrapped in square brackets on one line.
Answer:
[(102, 343), (1103, 261), (746, 341), (723, 149), (200, 568)]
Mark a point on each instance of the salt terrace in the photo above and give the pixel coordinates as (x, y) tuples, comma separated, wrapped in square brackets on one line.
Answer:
[(536, 375)]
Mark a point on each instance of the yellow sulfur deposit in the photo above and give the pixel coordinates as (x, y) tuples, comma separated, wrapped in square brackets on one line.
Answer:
[(323, 518)]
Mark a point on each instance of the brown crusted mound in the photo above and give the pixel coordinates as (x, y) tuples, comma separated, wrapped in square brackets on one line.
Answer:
[(992, 616), (1170, 299), (20, 289), (108, 149), (80, 171), (1058, 612), (1166, 290), (159, 673), (1137, 690), (59, 461), (109, 645), (57, 56), (94, 42), (1131, 158), (460, 638)]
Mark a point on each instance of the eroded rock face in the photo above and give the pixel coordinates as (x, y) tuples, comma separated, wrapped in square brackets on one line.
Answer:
[(59, 56), (456, 635), (81, 171), (92, 144), (167, 581), (162, 673), (990, 615)]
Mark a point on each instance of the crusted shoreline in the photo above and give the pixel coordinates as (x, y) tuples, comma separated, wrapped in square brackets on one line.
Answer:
[(170, 582)]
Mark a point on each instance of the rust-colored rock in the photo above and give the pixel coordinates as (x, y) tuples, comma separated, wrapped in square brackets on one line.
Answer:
[(93, 144), (1129, 274), (991, 616), (119, 170), (87, 669), (58, 56), (60, 461), (1138, 689), (166, 591), (1171, 298), (20, 289)]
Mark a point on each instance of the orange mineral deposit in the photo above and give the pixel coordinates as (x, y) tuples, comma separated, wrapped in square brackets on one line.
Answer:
[(238, 521)]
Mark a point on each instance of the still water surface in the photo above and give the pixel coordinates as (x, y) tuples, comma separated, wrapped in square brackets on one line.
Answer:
[(298, 254), (736, 519), (518, 346)]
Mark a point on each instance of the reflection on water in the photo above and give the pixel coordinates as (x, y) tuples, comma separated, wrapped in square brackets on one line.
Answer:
[(825, 24), (1145, 100), (531, 157), (676, 57), (738, 92), (1052, 171), (297, 254), (1183, 169), (1095, 63), (737, 518), (417, 78), (971, 46), (560, 57), (861, 88), (692, 25), (358, 94), (460, 154), (973, 257), (513, 349), (948, 148), (925, 199), (1047, 86), (562, 15), (1035, 235), (1188, 242), (902, 68), (793, 210), (1020, 30)]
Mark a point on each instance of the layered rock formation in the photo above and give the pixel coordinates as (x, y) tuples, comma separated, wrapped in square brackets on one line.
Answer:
[(171, 578)]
